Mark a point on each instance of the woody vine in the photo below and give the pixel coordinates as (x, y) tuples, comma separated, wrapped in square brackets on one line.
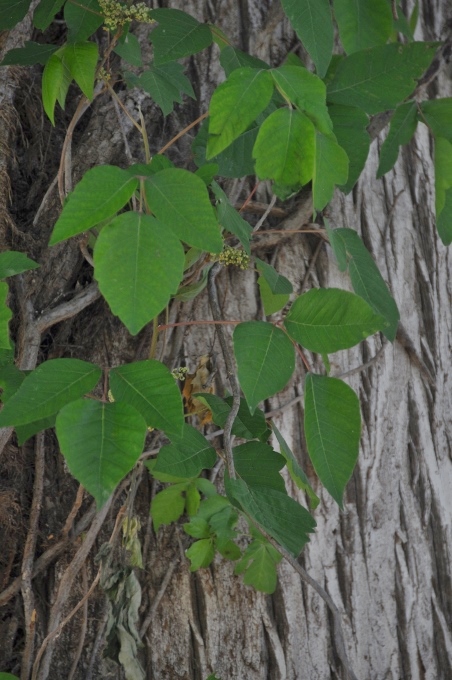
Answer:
[(154, 232)]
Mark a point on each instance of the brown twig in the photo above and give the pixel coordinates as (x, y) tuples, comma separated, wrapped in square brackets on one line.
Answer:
[(266, 214), (183, 132), (230, 367), (363, 367), (68, 309), (83, 627), (311, 266), (73, 513), (28, 558)]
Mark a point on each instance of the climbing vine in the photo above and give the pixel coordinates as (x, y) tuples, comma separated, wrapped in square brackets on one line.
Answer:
[(154, 232)]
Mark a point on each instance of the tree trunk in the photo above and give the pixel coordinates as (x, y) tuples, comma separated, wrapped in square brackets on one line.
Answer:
[(385, 560)]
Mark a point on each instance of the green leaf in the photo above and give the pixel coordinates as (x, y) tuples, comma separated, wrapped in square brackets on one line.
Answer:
[(11, 12), (258, 465), (330, 168), (326, 320), (363, 24), (332, 426), (83, 18), (166, 84), (102, 191), (201, 554), (192, 499), (150, 388), (13, 262), (25, 432), (100, 442), (235, 104), (350, 128), (295, 471), (437, 114), (187, 455), (48, 388), (45, 13), (206, 487), (11, 378), (313, 24), (227, 548), (177, 35), (278, 284), (230, 219), (235, 161), (443, 187), (180, 200), (402, 128), (285, 148), (192, 290), (52, 79), (380, 78), (306, 91), (65, 82), (272, 303), (8, 676), (265, 360), (280, 516), (139, 264), (198, 528), (366, 278), (5, 317), (245, 425), (129, 49), (232, 58), (31, 53), (81, 59), (259, 566), (168, 505)]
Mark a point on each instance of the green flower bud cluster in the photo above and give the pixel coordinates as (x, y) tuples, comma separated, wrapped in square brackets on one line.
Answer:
[(179, 373), (116, 14), (232, 256)]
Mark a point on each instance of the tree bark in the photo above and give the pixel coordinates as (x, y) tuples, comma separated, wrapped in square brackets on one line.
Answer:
[(386, 558)]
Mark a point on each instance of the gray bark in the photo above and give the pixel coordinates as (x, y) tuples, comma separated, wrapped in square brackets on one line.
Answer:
[(386, 559)]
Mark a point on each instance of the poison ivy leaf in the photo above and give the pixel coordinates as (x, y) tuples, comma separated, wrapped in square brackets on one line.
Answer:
[(192, 499), (363, 24), (168, 505), (129, 49), (82, 18), (278, 283), (102, 191), (180, 200), (278, 514), (143, 170), (177, 35), (285, 148), (207, 173), (11, 378), (313, 24), (186, 456), (350, 128), (149, 387), (25, 432), (66, 80), (443, 186), (295, 471), (8, 676), (330, 168), (366, 278), (326, 320), (100, 442), (272, 303), (201, 554), (437, 114), (232, 58), (52, 79), (402, 128), (138, 263), (12, 262), (6, 355), (235, 104), (45, 13), (332, 427), (81, 60), (306, 91), (192, 290), (230, 219), (258, 465), (5, 317), (166, 84), (11, 12), (381, 77), (245, 425), (31, 53), (236, 160), (48, 388), (198, 528), (258, 565), (265, 360)]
